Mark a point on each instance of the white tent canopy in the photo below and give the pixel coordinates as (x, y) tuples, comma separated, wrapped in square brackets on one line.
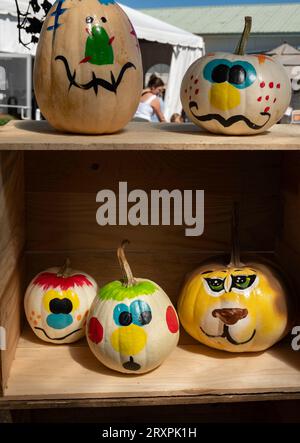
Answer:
[(187, 47)]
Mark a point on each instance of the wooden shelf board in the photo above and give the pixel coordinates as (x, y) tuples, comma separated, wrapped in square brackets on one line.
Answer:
[(38, 135), (42, 372)]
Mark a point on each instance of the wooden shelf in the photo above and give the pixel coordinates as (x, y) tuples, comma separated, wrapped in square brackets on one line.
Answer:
[(44, 373), (33, 135)]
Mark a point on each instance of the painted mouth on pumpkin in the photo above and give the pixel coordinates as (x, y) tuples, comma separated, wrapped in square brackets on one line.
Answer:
[(95, 82), (131, 365), (59, 338), (229, 121), (227, 336)]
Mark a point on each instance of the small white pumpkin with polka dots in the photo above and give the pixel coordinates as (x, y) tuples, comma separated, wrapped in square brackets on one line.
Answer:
[(236, 94)]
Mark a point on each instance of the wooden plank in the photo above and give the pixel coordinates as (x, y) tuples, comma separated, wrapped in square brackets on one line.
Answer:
[(11, 213), (191, 370), (32, 135), (85, 171), (11, 313), (176, 400), (12, 237)]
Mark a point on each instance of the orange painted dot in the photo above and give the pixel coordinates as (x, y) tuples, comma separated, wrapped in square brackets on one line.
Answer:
[(259, 99), (262, 85), (78, 317), (39, 316), (267, 109), (35, 322), (271, 85), (33, 313)]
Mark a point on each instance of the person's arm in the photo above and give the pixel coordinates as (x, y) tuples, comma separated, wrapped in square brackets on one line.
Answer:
[(156, 108)]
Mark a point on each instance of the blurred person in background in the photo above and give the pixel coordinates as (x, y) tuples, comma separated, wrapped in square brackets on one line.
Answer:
[(150, 104)]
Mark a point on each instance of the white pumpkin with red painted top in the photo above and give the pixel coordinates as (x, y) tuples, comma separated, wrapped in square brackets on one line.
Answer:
[(57, 302), (236, 94), (132, 325), (88, 74)]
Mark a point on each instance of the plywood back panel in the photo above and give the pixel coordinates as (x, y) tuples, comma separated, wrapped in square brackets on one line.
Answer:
[(62, 187)]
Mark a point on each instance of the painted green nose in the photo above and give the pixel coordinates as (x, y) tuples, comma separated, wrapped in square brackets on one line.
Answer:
[(98, 49)]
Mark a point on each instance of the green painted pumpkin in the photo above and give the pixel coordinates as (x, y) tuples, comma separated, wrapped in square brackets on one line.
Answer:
[(236, 94), (132, 325), (57, 302), (88, 71)]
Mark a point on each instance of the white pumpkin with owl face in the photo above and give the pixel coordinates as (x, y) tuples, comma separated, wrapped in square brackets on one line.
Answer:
[(57, 302), (88, 73), (132, 325), (236, 94)]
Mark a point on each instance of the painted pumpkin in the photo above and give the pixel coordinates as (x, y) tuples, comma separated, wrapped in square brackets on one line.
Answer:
[(235, 307), (236, 94), (88, 71), (132, 325), (57, 302)]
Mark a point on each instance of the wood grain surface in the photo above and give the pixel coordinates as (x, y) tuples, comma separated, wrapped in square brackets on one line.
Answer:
[(33, 135)]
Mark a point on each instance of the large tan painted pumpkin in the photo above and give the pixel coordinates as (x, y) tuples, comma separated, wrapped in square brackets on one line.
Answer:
[(236, 307), (88, 70), (57, 302), (132, 325), (236, 94)]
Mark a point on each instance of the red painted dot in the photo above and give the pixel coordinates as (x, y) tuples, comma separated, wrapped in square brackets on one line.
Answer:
[(196, 81), (274, 100), (267, 109), (172, 320), (192, 77), (197, 91), (271, 85), (259, 99), (190, 97), (267, 97), (278, 86), (185, 91), (95, 330), (262, 85)]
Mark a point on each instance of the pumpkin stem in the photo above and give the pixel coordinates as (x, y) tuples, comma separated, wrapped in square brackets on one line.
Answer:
[(235, 260), (64, 270), (128, 279), (241, 47)]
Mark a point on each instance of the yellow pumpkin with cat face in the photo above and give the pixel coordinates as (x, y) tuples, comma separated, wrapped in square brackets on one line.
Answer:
[(235, 308)]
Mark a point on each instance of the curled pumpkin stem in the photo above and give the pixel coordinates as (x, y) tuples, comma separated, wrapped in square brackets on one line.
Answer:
[(241, 47), (128, 279), (64, 270)]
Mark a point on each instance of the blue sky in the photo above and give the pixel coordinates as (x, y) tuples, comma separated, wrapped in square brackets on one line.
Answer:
[(169, 3)]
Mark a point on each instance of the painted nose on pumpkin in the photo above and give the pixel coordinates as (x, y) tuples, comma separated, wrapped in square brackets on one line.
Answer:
[(128, 340), (230, 316), (224, 96)]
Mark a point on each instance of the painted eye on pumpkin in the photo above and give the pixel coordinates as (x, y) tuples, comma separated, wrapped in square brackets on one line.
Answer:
[(215, 285), (103, 19), (121, 315), (89, 20), (240, 74), (61, 302), (242, 282), (141, 313)]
